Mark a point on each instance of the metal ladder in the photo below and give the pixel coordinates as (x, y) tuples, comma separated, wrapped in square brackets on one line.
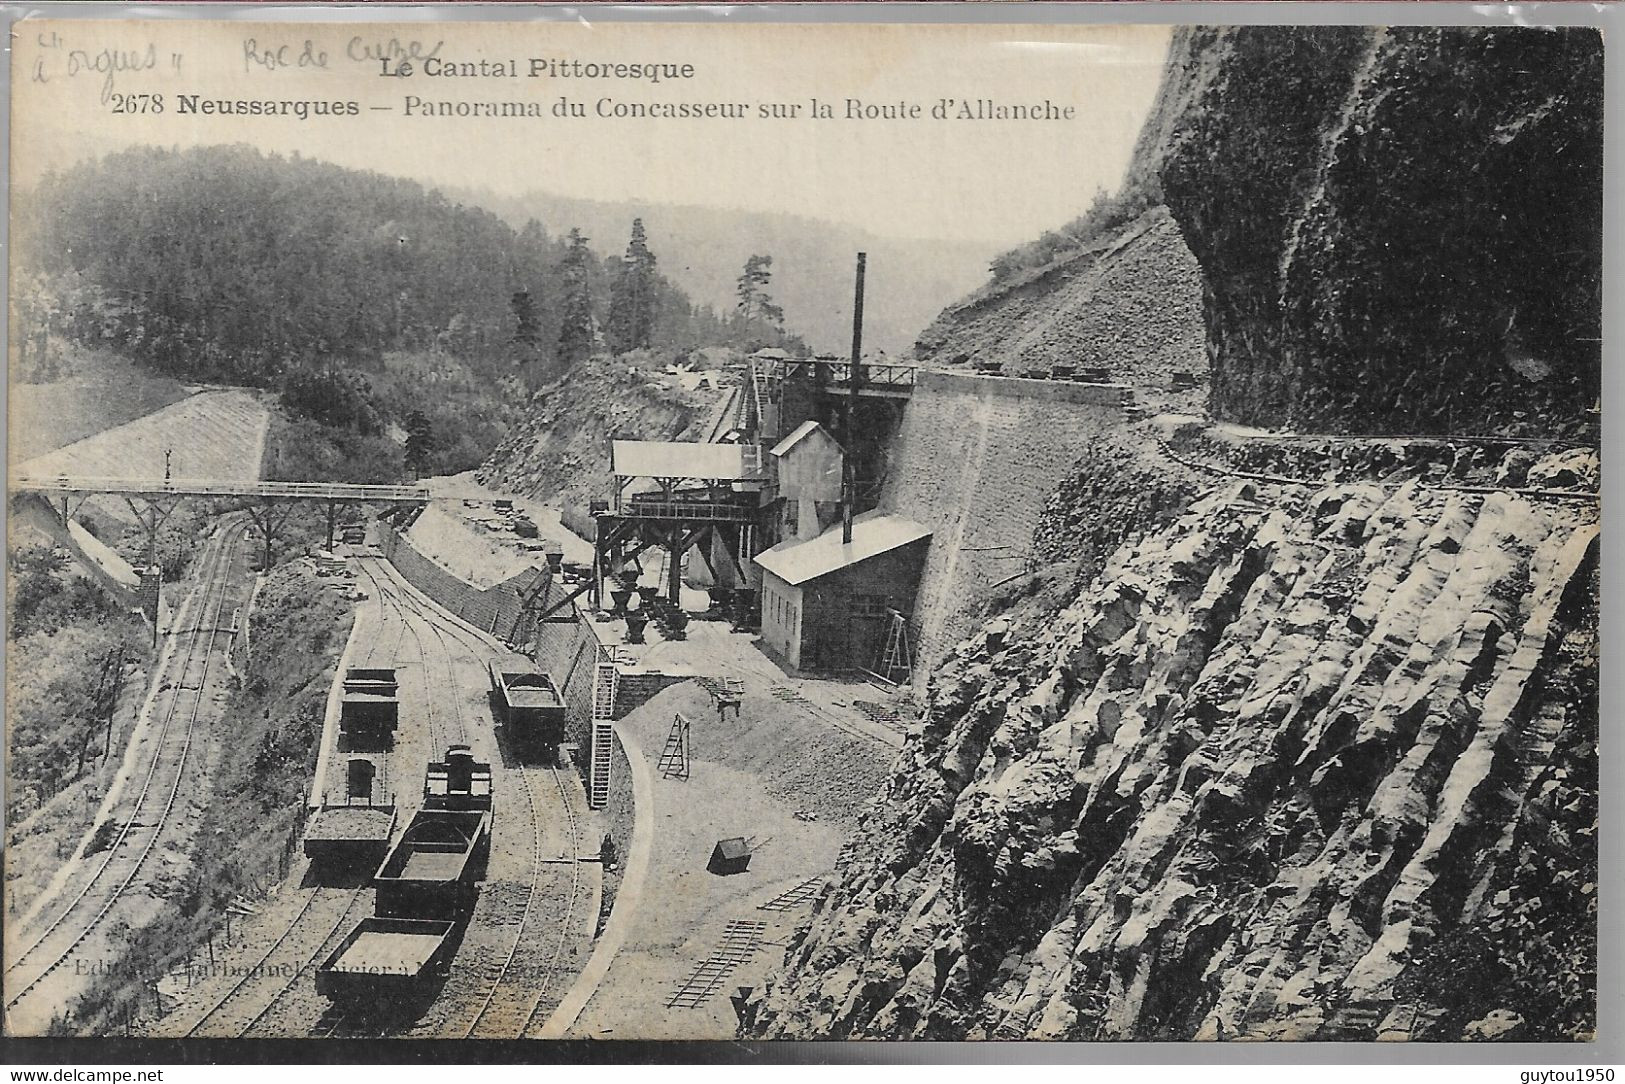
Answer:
[(896, 655), (603, 733)]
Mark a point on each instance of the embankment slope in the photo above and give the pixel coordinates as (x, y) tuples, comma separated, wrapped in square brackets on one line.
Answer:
[(560, 449)]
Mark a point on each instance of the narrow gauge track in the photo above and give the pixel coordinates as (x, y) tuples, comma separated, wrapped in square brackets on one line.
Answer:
[(407, 606), (507, 1010), (57, 944), (313, 927), (309, 932), (515, 1012)]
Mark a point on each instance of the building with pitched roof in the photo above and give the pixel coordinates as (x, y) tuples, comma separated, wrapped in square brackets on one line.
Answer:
[(827, 603)]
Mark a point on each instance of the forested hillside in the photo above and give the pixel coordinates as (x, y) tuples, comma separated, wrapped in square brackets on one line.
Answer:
[(910, 280), (226, 263), (403, 323)]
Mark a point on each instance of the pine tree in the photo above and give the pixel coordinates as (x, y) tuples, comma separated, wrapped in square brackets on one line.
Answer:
[(576, 327), (633, 299), (755, 306), (419, 441), (527, 331)]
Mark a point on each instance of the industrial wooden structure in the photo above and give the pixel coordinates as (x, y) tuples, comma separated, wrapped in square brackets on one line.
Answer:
[(676, 496)]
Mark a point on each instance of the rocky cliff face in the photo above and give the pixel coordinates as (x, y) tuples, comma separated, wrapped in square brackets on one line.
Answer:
[(1399, 229), (1316, 759), (1264, 777), (560, 448)]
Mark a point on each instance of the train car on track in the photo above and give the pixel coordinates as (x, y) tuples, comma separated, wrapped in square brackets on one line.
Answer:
[(435, 869), (426, 890), (346, 839), (369, 709), (388, 960), (531, 711)]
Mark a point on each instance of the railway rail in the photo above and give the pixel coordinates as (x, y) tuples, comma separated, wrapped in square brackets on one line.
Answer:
[(312, 928), (510, 1003), (323, 917), (268, 1000), (144, 826), (516, 1008)]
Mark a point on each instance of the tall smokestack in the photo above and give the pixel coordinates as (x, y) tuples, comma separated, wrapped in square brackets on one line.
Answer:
[(849, 491)]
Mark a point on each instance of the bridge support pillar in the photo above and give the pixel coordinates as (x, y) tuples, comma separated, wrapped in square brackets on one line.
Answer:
[(70, 507), (674, 568), (269, 517), (150, 512), (151, 594), (333, 507)]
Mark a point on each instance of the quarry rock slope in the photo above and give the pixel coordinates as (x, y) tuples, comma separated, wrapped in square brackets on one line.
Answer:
[(1244, 785), (560, 448), (1131, 302), (1128, 299)]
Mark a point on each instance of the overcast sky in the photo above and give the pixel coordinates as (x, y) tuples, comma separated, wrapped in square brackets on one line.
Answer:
[(984, 181)]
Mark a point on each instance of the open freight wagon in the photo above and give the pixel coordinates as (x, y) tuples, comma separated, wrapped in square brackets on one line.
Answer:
[(426, 887), (531, 710), (388, 960)]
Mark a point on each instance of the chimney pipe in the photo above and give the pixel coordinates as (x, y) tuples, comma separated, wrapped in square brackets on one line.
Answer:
[(849, 491)]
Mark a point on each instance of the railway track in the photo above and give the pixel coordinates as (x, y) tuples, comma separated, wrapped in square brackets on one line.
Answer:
[(406, 605), (518, 985), (320, 920), (150, 812), (511, 1005), (270, 994)]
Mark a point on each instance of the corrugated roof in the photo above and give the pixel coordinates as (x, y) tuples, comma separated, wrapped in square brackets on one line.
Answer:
[(680, 459), (801, 431), (873, 533)]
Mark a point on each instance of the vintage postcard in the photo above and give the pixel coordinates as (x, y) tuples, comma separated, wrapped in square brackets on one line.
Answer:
[(710, 529)]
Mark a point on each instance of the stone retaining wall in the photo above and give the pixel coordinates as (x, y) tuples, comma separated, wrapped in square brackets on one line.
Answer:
[(976, 459), (564, 649)]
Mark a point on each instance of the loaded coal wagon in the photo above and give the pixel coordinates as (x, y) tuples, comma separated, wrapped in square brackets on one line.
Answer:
[(369, 709), (531, 711), (426, 890)]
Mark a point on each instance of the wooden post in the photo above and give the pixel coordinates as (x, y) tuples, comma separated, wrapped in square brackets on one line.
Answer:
[(674, 574)]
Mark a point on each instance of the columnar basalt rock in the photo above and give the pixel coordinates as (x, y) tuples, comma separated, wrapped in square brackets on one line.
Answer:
[(1235, 790)]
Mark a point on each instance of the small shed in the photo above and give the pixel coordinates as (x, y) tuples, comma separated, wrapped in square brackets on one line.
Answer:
[(729, 856), (826, 602)]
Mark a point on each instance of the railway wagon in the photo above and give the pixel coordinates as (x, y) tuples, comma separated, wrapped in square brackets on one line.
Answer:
[(369, 707), (529, 706), (349, 838), (388, 960), (435, 869)]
